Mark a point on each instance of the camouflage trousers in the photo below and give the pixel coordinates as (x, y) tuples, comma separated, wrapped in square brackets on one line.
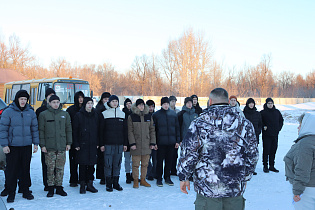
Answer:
[(55, 161)]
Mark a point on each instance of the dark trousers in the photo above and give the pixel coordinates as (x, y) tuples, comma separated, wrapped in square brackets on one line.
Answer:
[(44, 169), (152, 164), (100, 165), (164, 153), (73, 166), (112, 160), (174, 161), (270, 145), (86, 173), (18, 167)]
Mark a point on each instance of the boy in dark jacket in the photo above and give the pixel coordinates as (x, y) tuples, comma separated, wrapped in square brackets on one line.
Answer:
[(151, 173), (55, 133), (196, 105), (113, 134), (18, 131), (100, 155), (73, 110), (167, 136), (86, 141), (272, 122)]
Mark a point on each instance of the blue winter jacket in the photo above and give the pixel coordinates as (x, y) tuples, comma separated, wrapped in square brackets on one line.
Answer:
[(18, 128)]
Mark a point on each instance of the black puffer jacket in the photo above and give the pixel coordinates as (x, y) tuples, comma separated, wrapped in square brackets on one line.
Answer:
[(255, 118), (127, 113), (198, 109), (272, 118), (114, 128), (86, 136), (166, 127), (74, 109)]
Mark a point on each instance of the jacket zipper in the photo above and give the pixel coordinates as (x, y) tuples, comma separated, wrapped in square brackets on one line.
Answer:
[(22, 127)]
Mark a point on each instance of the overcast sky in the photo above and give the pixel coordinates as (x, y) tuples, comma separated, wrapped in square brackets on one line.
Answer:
[(98, 31)]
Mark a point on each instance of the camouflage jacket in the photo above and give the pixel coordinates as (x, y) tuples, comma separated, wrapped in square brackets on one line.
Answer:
[(220, 150)]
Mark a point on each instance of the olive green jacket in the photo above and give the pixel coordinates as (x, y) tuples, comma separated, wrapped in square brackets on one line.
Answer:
[(55, 131)]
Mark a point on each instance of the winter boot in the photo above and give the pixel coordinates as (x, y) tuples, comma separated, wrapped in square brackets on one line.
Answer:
[(143, 182), (11, 197), (109, 184), (51, 191), (60, 191), (169, 181), (266, 170), (102, 182), (116, 185), (4, 192), (90, 187), (135, 184), (273, 169), (128, 178), (28, 195), (82, 187)]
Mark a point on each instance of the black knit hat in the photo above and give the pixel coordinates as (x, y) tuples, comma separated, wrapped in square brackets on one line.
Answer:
[(194, 96), (187, 99), (172, 98), (105, 95), (250, 100), (150, 102), (268, 100), (126, 101), (139, 101), (85, 100), (49, 91), (21, 93), (164, 100), (54, 97), (113, 97)]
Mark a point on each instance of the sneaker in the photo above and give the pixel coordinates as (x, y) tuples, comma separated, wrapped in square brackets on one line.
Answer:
[(11, 197), (28, 195), (273, 169), (159, 183), (169, 182)]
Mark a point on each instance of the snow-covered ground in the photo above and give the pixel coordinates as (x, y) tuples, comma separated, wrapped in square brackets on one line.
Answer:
[(264, 191)]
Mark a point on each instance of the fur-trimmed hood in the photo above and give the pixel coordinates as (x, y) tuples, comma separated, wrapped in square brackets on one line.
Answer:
[(137, 111)]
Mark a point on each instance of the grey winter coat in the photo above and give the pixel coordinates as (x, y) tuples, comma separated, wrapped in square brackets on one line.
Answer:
[(18, 128), (300, 160), (185, 117)]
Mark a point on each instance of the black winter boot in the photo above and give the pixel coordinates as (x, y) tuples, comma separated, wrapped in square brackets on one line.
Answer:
[(60, 191), (266, 170), (116, 185), (82, 187), (109, 184), (4, 192), (128, 178), (28, 195), (90, 187), (11, 197), (51, 191)]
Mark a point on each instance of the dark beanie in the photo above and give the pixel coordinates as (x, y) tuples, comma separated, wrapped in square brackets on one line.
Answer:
[(105, 95), (54, 97), (194, 96), (150, 102), (85, 100), (250, 100), (126, 101), (49, 91), (21, 93), (139, 101), (187, 99), (164, 100), (113, 97), (172, 98), (268, 100)]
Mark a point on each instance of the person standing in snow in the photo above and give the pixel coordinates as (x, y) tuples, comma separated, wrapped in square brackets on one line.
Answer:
[(55, 134), (100, 107), (173, 100), (272, 122), (127, 156), (113, 135), (73, 110), (151, 172), (141, 135), (18, 131), (196, 105), (220, 150), (234, 103), (167, 138), (86, 142), (300, 164)]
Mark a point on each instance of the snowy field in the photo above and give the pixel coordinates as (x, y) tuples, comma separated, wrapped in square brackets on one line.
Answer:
[(264, 191)]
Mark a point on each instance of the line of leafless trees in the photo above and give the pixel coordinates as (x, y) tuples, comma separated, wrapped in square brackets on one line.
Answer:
[(186, 66)]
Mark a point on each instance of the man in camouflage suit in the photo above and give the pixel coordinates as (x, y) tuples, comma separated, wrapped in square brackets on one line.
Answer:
[(55, 134), (220, 150)]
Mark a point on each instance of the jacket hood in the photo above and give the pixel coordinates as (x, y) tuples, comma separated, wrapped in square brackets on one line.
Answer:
[(76, 98), (267, 109), (307, 126), (137, 111), (188, 110)]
